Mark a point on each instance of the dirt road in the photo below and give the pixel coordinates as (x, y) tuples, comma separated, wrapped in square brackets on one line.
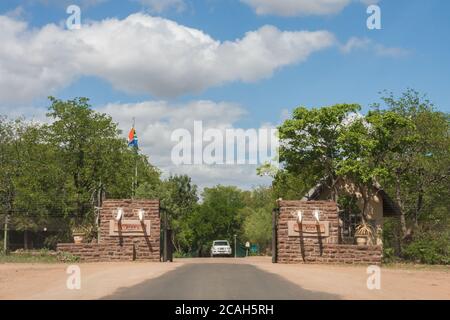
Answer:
[(250, 278), (48, 281)]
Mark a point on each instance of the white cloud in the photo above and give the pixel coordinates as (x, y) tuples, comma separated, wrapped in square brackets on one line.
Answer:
[(33, 63), (291, 8), (142, 54), (297, 7), (159, 6), (16, 13), (26, 112), (394, 52), (369, 2), (355, 43), (285, 115), (66, 3), (155, 122)]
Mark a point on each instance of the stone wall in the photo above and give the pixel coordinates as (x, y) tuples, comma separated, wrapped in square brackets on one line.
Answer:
[(92, 252), (331, 253), (122, 247), (313, 247)]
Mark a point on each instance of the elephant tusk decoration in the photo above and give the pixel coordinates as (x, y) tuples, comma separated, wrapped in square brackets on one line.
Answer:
[(119, 214), (299, 216), (141, 215), (316, 214)]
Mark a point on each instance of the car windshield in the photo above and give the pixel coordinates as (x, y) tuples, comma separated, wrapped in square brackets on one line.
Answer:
[(221, 243)]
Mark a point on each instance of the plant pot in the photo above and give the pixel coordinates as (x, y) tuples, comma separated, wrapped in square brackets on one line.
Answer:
[(361, 240), (78, 238)]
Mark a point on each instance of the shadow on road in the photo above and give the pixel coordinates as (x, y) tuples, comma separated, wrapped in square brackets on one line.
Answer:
[(216, 282)]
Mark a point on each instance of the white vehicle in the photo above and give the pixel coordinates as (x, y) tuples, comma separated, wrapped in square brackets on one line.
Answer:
[(220, 248)]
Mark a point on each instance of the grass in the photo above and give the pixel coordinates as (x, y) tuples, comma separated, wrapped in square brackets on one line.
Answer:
[(40, 256), (11, 258), (415, 266)]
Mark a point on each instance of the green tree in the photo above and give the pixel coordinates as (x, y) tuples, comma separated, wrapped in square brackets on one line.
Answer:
[(8, 169), (178, 196), (218, 217), (289, 186), (258, 227), (50, 173), (94, 155), (367, 144), (257, 214), (419, 175), (310, 142), (31, 189)]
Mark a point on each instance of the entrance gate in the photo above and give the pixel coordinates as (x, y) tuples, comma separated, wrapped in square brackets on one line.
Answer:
[(308, 232), (129, 230)]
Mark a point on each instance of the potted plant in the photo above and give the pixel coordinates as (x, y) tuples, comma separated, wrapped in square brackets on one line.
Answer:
[(78, 233), (363, 233)]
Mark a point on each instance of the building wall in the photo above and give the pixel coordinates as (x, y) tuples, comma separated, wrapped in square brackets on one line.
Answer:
[(122, 247), (375, 208), (315, 248)]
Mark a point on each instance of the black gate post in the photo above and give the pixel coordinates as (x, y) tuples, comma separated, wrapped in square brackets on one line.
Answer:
[(169, 246), (165, 237), (274, 235)]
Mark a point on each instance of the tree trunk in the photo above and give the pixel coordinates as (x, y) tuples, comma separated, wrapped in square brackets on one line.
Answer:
[(333, 189), (418, 208), (365, 198), (399, 199), (25, 239), (175, 243)]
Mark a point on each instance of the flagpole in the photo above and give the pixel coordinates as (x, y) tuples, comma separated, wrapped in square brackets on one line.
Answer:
[(135, 173), (135, 166)]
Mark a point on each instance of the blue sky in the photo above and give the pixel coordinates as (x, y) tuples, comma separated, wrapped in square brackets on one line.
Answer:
[(411, 50)]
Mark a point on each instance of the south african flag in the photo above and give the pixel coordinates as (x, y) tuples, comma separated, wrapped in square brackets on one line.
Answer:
[(132, 138)]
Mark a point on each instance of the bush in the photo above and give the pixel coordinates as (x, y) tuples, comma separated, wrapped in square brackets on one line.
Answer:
[(67, 257), (51, 241), (258, 227), (430, 248), (391, 239), (177, 254), (388, 255)]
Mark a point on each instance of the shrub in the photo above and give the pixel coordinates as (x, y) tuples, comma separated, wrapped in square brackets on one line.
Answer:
[(429, 247), (177, 254), (67, 257), (51, 241), (388, 255), (391, 239)]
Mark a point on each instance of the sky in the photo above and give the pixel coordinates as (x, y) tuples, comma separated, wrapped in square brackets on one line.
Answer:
[(229, 63)]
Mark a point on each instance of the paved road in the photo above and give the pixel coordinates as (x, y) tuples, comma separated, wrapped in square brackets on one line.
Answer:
[(213, 281)]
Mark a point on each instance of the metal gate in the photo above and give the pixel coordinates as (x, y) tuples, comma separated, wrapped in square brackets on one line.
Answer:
[(166, 238), (275, 213)]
